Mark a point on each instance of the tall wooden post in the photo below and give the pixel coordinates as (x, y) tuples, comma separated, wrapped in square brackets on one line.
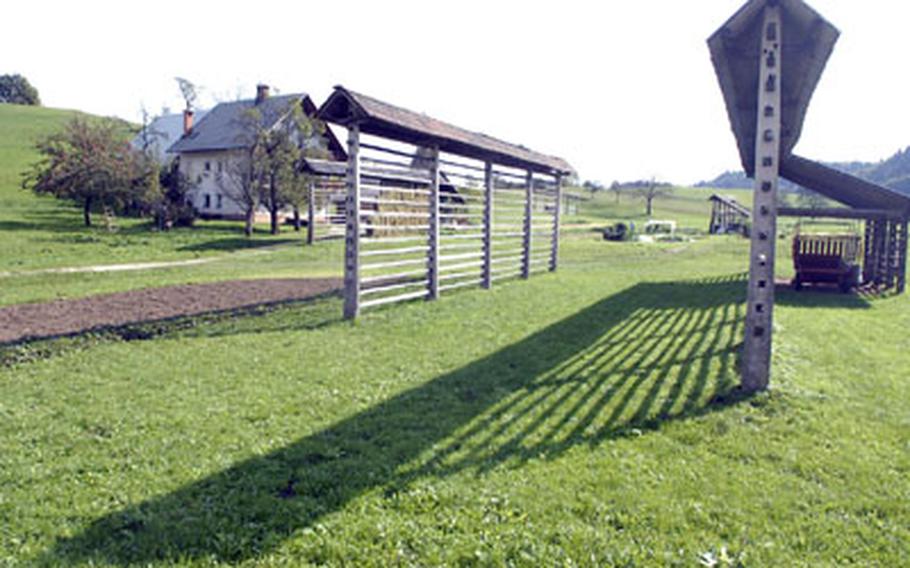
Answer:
[(528, 224), (893, 237), (881, 241), (713, 221), (874, 234), (867, 251), (759, 318), (902, 258), (557, 213), (433, 236), (487, 275), (352, 227), (311, 213)]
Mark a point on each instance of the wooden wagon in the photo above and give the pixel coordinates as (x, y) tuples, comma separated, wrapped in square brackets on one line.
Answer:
[(826, 259)]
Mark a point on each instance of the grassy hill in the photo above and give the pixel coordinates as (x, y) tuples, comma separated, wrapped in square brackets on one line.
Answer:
[(20, 127), (687, 206), (42, 232)]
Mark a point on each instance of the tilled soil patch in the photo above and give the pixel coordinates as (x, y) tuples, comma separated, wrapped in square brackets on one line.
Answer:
[(68, 317)]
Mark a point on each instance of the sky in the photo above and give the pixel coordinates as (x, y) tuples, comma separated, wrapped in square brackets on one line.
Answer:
[(621, 89)]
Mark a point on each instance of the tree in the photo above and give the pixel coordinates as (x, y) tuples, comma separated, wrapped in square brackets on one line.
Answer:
[(188, 90), (246, 171), (593, 186), (294, 139), (269, 169), (170, 205), (88, 162), (616, 189), (149, 135), (241, 180), (650, 191), (164, 191), (16, 89)]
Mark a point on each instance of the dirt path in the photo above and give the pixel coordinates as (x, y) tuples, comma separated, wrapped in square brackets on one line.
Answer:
[(112, 267), (65, 317), (134, 266)]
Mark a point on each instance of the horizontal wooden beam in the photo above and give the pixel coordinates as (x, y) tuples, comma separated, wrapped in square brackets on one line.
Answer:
[(838, 213)]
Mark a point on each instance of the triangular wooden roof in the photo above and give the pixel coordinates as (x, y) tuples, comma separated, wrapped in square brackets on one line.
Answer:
[(807, 42), (346, 107)]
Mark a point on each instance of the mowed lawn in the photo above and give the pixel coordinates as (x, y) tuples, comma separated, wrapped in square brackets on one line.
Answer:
[(581, 418), (41, 234)]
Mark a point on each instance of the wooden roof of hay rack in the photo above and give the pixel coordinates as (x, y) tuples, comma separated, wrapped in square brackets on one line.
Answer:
[(808, 41), (732, 204), (378, 118), (844, 188)]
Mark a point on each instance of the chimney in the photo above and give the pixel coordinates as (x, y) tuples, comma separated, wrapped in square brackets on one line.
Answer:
[(187, 121), (262, 93)]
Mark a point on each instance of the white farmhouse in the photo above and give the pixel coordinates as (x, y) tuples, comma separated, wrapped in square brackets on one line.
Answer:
[(207, 149)]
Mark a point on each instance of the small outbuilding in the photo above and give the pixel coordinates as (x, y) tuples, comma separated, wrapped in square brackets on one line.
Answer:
[(728, 216)]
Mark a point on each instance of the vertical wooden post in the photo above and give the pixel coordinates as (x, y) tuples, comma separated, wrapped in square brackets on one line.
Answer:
[(893, 237), (352, 227), (902, 258), (526, 241), (557, 213), (867, 251), (713, 221), (881, 239), (433, 236), (488, 226), (311, 213), (759, 318), (873, 251)]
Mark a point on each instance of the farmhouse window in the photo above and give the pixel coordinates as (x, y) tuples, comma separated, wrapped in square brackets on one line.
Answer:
[(220, 198), (208, 201)]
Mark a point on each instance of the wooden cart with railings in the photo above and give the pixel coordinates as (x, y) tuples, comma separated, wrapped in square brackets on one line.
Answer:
[(826, 259)]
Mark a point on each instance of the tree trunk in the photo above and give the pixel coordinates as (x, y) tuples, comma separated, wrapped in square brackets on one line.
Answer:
[(273, 205), (650, 210), (87, 211), (273, 213), (248, 226), (297, 223)]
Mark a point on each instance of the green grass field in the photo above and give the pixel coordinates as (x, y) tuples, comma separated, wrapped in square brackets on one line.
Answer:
[(583, 418), (689, 207)]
